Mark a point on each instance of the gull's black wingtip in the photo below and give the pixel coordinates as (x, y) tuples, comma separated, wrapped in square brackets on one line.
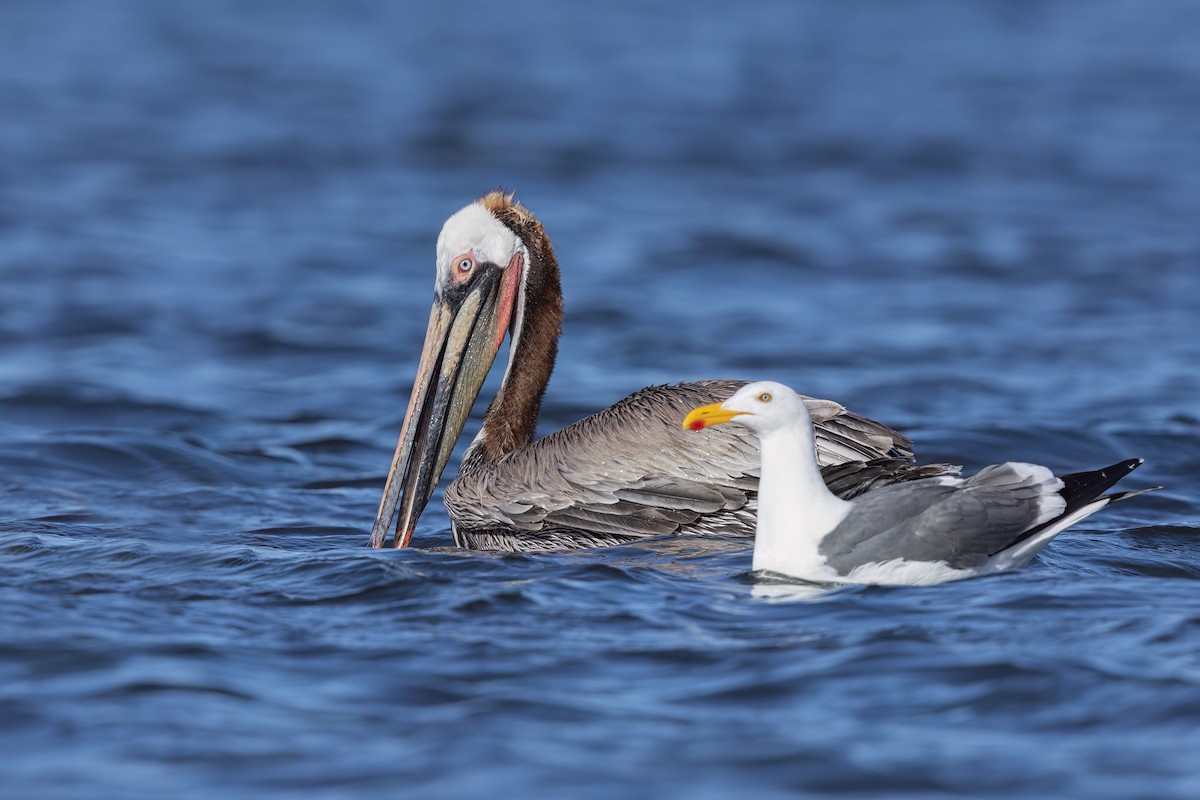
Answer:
[(1120, 469), (1081, 488)]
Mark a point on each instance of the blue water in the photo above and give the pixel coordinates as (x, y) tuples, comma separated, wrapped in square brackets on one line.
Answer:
[(974, 221)]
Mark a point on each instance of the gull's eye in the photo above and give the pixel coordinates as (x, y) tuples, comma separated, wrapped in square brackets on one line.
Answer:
[(765, 397), (466, 264)]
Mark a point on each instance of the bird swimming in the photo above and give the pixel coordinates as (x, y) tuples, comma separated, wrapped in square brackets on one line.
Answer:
[(625, 473), (926, 531)]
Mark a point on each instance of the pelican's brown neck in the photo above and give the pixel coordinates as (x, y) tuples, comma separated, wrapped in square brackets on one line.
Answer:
[(512, 417)]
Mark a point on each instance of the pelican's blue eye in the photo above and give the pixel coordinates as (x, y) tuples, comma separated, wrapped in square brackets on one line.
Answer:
[(465, 265)]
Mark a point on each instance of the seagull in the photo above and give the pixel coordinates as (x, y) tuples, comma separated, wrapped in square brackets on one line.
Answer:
[(920, 532)]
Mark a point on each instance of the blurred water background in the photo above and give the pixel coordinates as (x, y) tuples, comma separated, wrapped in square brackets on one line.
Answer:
[(974, 221)]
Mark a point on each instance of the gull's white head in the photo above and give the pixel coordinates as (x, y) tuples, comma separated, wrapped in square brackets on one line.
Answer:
[(471, 238), (762, 406)]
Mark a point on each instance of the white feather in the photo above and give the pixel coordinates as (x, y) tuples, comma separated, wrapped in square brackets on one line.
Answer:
[(474, 230)]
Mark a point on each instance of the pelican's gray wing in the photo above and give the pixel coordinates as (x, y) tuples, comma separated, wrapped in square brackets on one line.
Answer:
[(631, 471), (945, 519)]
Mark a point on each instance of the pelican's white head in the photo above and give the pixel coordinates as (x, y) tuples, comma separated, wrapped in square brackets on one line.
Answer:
[(472, 237), (762, 406)]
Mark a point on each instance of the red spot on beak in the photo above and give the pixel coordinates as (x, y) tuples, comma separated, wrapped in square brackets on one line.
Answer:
[(697, 425)]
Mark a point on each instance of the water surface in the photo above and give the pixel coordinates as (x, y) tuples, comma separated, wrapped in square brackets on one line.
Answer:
[(976, 222)]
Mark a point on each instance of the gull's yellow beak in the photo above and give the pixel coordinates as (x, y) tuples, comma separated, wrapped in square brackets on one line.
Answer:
[(714, 414)]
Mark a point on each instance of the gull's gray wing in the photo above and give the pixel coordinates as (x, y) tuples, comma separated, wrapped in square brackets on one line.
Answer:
[(631, 471), (961, 523)]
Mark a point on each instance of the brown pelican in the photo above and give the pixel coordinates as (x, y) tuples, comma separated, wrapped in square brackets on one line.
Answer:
[(625, 473), (942, 528)]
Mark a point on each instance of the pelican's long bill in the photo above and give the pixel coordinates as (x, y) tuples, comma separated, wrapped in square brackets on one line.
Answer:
[(712, 414), (466, 328)]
